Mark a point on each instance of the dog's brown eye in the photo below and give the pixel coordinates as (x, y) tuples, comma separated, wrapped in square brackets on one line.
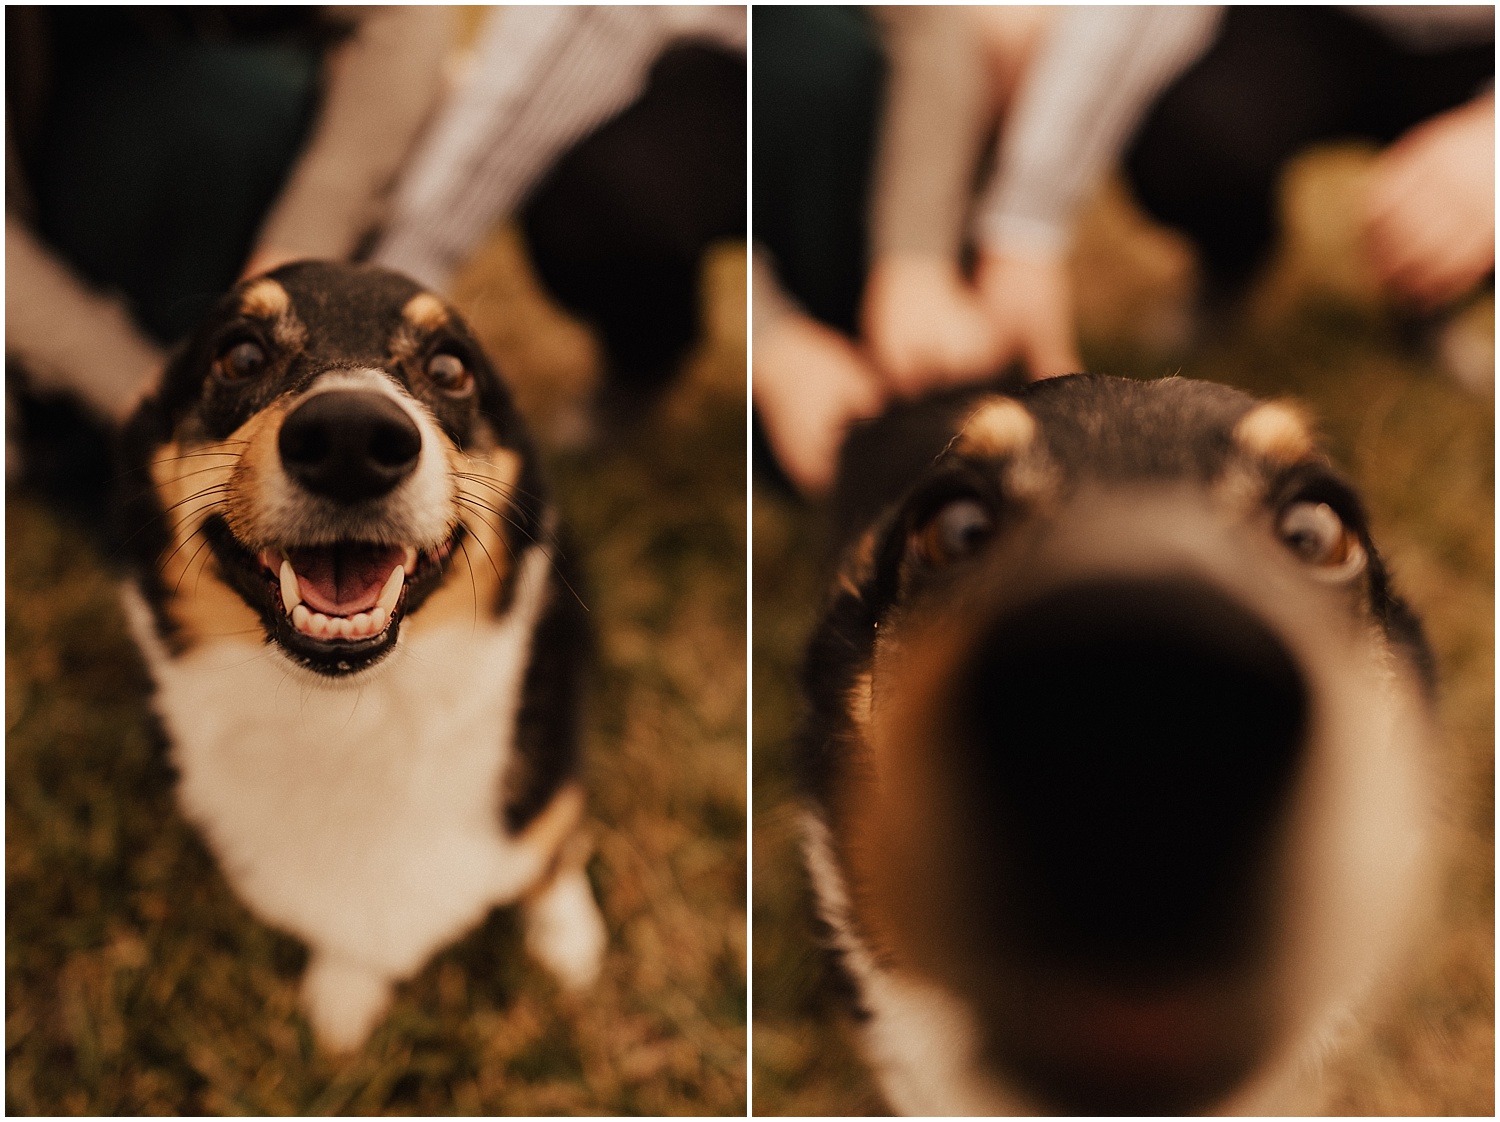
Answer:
[(1316, 534), (449, 373), (241, 362), (955, 531)]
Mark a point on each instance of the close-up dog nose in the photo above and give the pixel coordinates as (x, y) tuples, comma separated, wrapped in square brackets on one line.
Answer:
[(349, 445), (1133, 744)]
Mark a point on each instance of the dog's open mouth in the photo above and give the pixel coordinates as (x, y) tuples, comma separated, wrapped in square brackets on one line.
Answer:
[(336, 608), (348, 590)]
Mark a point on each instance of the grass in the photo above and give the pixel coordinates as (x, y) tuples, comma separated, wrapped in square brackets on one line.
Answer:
[(1422, 450), (138, 984)]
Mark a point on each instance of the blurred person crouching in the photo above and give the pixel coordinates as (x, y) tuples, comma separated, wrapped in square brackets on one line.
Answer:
[(1201, 107), (615, 136), (156, 155)]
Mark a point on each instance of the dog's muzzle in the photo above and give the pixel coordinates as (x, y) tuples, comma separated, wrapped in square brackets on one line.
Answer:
[(1100, 758)]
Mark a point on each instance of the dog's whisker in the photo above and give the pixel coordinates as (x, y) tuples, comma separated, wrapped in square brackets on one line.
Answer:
[(473, 584), (507, 489), (546, 548), (150, 488), (499, 577), (548, 543), (188, 567), (166, 562)]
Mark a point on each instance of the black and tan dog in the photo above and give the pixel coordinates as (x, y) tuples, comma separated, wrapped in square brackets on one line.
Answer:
[(1116, 758), (366, 658)]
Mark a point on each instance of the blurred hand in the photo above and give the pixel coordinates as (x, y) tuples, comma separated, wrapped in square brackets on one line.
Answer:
[(1429, 218), (923, 325), (1029, 302), (809, 384), (269, 257)]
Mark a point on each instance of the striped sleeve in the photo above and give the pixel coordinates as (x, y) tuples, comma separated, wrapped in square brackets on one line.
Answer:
[(1094, 79), (541, 79)]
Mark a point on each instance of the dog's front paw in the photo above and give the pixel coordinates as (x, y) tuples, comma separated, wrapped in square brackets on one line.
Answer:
[(565, 932), (343, 1000)]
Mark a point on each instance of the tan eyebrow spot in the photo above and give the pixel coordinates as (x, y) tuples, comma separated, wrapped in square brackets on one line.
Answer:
[(999, 427), (425, 312), (265, 299), (1277, 431)]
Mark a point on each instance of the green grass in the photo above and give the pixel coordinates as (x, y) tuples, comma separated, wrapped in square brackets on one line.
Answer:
[(138, 984), (1422, 451)]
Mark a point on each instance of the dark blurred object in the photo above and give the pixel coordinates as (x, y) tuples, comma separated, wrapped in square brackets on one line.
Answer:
[(819, 80), (60, 450), (618, 228), (153, 141)]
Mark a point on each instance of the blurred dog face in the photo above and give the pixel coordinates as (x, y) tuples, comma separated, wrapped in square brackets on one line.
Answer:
[(1117, 750), (330, 456)]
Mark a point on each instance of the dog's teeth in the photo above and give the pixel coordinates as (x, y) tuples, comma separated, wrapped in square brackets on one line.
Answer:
[(392, 591), (409, 562), (301, 617), (289, 594)]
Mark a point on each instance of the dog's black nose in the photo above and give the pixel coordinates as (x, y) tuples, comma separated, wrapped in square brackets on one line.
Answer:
[(1133, 747), (349, 445)]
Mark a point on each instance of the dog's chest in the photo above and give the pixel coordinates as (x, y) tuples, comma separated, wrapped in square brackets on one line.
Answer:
[(365, 818)]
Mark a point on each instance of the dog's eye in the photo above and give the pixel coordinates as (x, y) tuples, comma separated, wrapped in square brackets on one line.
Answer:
[(1316, 534), (241, 362), (956, 530), (449, 373)]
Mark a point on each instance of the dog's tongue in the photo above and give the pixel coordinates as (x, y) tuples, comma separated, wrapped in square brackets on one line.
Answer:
[(343, 579)]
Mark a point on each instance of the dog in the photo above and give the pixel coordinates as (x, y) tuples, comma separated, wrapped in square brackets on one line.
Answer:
[(1119, 797), (367, 655)]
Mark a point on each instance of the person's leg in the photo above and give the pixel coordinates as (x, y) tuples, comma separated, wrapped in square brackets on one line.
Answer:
[(1207, 158), (618, 228), (819, 74), (160, 158)]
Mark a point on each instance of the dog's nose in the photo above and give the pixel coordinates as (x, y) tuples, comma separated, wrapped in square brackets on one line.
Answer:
[(349, 445), (1134, 743)]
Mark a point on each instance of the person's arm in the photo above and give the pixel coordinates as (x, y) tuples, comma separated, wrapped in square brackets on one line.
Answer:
[(540, 80), (918, 317), (382, 84), (1430, 206), (1095, 77), (808, 381), (67, 336)]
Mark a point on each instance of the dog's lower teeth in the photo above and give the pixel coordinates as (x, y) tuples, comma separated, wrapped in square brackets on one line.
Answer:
[(364, 625)]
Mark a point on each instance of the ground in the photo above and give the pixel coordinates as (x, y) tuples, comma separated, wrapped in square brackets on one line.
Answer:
[(138, 984), (1421, 447)]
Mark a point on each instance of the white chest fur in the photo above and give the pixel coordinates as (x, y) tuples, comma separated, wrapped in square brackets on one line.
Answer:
[(363, 817)]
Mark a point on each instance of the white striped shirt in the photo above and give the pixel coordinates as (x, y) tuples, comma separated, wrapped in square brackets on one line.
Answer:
[(540, 80)]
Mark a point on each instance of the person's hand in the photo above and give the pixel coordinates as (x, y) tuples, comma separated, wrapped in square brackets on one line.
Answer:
[(269, 257), (1429, 218), (809, 383), (1029, 301), (923, 325)]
